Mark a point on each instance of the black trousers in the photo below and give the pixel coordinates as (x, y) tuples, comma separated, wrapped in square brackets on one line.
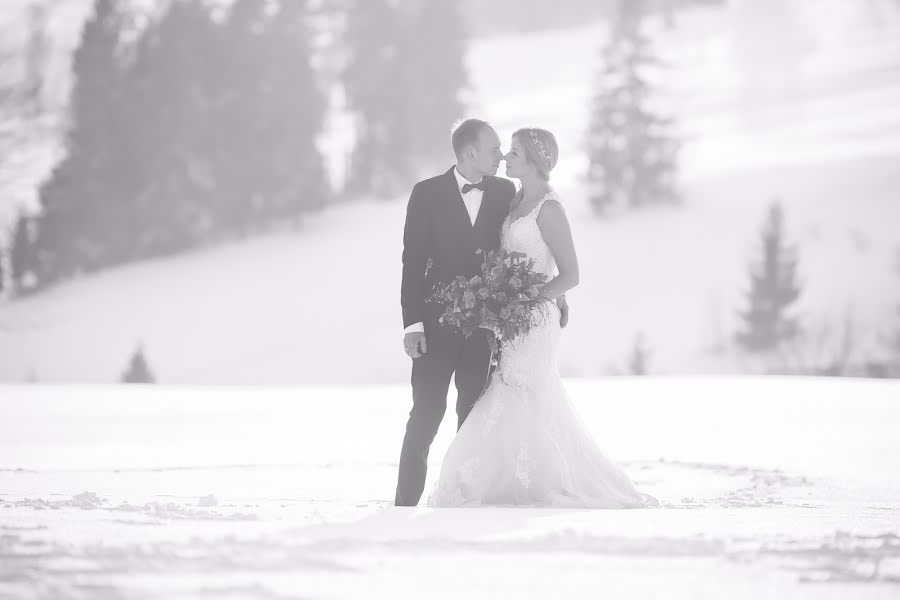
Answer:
[(470, 359)]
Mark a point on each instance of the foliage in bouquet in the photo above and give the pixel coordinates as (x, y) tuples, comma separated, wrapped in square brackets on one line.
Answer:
[(501, 299)]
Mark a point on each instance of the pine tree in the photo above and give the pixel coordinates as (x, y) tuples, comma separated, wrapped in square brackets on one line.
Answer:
[(897, 339), (36, 56), (436, 75), (773, 288), (21, 256), (265, 113), (174, 186), (632, 156), (293, 106), (138, 371), (234, 136), (201, 128), (79, 222), (375, 79), (640, 357)]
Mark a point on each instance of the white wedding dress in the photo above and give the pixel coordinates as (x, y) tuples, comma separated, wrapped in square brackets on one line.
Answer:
[(523, 443)]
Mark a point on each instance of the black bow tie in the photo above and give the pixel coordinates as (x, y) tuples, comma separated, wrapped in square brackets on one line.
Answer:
[(467, 187)]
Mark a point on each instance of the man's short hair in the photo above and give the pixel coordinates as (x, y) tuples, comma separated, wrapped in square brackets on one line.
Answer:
[(466, 134)]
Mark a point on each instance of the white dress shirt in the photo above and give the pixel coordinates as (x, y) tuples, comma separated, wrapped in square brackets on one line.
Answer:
[(472, 200)]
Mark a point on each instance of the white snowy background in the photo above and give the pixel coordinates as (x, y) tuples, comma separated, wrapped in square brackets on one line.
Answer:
[(770, 487)]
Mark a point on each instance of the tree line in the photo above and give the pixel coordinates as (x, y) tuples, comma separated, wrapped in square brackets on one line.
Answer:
[(205, 125)]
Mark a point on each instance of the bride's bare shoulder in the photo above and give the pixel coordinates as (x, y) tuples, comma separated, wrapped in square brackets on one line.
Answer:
[(552, 210)]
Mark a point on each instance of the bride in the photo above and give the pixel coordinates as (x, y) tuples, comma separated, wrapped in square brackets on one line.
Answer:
[(523, 443)]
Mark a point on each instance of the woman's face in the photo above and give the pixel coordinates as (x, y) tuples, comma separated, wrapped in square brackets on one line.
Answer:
[(517, 164)]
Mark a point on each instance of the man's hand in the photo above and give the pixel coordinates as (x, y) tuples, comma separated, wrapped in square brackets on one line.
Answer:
[(415, 344), (563, 305)]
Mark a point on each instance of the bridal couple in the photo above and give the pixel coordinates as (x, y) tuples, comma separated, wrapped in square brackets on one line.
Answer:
[(519, 439)]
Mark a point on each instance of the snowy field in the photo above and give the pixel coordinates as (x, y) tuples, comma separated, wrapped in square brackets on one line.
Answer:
[(808, 113), (770, 488)]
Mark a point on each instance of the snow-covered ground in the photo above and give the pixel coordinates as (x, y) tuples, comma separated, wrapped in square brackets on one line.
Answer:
[(769, 487), (807, 111)]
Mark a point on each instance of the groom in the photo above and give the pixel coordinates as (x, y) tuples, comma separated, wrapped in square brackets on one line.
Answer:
[(448, 218)]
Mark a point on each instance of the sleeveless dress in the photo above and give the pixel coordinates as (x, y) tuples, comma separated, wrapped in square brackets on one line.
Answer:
[(523, 443)]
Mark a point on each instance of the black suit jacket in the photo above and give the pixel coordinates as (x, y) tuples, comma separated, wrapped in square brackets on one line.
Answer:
[(438, 228)]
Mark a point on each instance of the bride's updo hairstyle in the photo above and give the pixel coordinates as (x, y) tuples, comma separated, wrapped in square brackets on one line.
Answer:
[(541, 149)]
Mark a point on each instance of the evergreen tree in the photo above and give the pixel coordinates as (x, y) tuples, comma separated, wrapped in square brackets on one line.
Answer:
[(773, 288), (138, 371), (293, 109), (897, 339), (36, 56), (21, 256), (376, 84), (234, 137), (174, 188), (78, 221), (201, 128), (436, 76), (632, 157), (640, 357), (266, 111)]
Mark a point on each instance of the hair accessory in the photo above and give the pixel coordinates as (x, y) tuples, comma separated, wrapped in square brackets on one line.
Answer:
[(541, 149)]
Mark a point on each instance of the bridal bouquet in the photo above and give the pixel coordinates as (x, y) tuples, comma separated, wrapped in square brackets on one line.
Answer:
[(501, 299)]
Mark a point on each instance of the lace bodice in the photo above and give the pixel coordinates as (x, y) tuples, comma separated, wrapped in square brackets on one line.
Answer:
[(531, 359), (524, 235)]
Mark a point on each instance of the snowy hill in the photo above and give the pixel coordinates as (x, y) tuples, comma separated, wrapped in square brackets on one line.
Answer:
[(807, 111)]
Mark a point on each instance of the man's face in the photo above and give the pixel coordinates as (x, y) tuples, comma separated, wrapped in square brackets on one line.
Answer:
[(487, 152)]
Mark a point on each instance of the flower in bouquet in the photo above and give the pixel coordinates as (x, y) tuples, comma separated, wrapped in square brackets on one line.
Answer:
[(502, 299)]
